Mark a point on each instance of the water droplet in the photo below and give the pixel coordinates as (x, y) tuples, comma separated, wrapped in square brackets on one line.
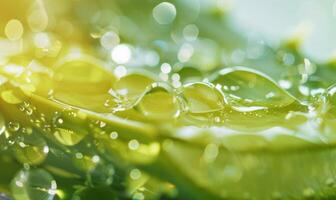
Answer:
[(69, 129), (159, 103), (31, 149), (164, 13), (247, 87), (13, 126), (33, 184), (202, 98), (129, 90)]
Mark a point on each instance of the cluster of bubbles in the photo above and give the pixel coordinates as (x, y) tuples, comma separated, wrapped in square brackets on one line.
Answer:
[(177, 94)]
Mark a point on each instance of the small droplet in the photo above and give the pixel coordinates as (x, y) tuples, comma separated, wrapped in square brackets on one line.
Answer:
[(13, 126), (32, 149), (114, 135)]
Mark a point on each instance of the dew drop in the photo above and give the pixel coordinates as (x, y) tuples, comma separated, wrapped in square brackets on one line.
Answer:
[(164, 13), (13, 126), (68, 129), (33, 184), (246, 87), (31, 149), (202, 98), (159, 103)]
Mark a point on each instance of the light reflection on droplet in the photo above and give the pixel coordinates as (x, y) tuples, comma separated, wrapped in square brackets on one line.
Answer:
[(164, 13)]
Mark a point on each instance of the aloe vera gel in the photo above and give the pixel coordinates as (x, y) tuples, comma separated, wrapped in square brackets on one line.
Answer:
[(159, 101)]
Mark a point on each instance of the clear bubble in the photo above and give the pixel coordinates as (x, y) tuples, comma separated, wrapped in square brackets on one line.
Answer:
[(68, 129), (129, 89), (164, 13), (247, 87), (31, 149)]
